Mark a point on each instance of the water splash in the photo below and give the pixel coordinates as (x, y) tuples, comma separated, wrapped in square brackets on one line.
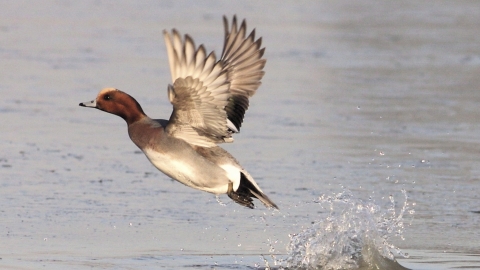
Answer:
[(355, 235)]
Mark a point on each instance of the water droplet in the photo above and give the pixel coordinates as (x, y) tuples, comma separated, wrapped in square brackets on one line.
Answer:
[(358, 219)]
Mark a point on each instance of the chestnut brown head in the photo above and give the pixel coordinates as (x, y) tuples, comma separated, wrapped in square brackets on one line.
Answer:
[(116, 102)]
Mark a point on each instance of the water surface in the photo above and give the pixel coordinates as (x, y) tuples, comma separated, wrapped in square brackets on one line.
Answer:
[(369, 97)]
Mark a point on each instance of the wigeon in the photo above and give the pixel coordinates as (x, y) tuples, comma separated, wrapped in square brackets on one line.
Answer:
[(209, 99)]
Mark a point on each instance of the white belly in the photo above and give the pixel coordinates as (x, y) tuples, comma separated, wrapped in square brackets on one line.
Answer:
[(175, 169), (196, 175)]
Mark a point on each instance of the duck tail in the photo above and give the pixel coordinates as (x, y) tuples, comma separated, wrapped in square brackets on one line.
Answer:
[(246, 191)]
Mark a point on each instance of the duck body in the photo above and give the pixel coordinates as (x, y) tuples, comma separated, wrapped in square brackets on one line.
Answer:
[(196, 167), (209, 99)]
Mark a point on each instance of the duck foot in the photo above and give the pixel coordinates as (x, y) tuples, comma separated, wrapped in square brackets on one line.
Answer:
[(239, 198)]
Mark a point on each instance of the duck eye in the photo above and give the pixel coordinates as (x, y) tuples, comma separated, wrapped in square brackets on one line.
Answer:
[(107, 97)]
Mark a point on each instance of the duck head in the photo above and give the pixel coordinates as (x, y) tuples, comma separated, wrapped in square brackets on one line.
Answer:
[(116, 102)]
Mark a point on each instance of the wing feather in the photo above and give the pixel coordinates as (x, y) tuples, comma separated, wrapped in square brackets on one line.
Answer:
[(210, 96), (244, 64)]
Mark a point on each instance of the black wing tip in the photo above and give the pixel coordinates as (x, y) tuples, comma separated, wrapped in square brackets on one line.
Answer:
[(225, 25), (212, 54), (201, 48), (252, 35), (234, 22), (243, 24), (188, 39), (261, 52)]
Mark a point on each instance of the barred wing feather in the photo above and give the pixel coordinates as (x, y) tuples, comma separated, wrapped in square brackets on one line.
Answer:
[(210, 96)]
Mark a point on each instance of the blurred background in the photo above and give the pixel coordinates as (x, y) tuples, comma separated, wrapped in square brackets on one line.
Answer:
[(366, 96)]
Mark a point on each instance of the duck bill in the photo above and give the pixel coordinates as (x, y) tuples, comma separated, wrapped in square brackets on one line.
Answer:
[(90, 104)]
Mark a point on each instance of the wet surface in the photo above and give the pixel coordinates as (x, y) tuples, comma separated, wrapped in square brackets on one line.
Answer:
[(369, 97)]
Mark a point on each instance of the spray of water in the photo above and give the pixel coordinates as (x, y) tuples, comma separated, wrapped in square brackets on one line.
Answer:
[(355, 235)]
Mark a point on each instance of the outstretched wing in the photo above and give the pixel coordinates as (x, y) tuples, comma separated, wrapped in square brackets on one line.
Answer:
[(242, 58), (210, 97)]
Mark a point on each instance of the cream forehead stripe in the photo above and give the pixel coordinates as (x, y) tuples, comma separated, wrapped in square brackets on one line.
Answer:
[(105, 90)]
